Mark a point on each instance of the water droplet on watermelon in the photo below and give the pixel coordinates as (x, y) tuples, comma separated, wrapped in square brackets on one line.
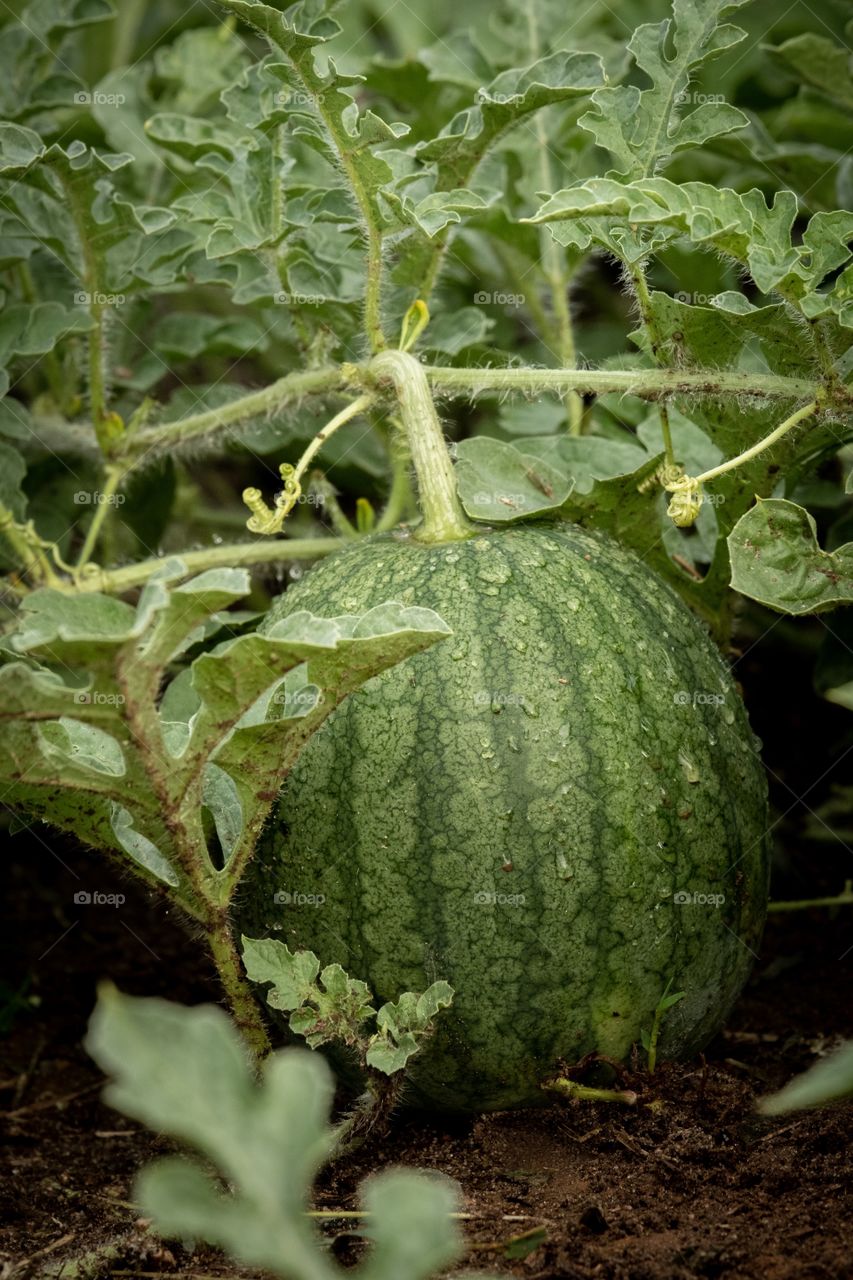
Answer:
[(564, 871), (691, 773), (495, 572)]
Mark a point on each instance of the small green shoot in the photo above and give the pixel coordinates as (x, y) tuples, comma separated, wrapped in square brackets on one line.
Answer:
[(650, 1038)]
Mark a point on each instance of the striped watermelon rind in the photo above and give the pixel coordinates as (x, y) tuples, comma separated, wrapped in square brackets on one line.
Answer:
[(559, 809)]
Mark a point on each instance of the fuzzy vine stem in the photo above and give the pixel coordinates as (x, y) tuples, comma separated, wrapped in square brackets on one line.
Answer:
[(553, 255), (443, 517), (256, 404), (229, 555), (644, 302), (232, 976), (647, 384)]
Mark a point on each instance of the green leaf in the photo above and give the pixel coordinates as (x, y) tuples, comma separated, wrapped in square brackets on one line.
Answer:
[(142, 850), (505, 482), (221, 796), (403, 1025), (819, 62), (124, 768), (13, 468), (404, 1211), (742, 227), (829, 1080), (324, 1007), (355, 134), (330, 1006), (643, 128), (185, 1072), (501, 105), (776, 560), (341, 654)]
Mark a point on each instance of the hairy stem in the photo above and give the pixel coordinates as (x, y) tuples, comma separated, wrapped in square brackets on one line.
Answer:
[(443, 517), (644, 302), (31, 557), (232, 976), (231, 556), (170, 435), (553, 254), (648, 384)]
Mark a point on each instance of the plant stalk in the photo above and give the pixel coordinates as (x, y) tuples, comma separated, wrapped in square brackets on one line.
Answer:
[(647, 384), (843, 899), (232, 975), (230, 556), (443, 517), (585, 1093), (268, 400), (113, 478)]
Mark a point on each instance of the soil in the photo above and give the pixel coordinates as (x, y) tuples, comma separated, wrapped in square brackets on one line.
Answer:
[(689, 1182), (698, 1185)]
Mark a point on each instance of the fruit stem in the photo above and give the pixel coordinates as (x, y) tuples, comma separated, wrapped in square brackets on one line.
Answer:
[(443, 517), (585, 1093)]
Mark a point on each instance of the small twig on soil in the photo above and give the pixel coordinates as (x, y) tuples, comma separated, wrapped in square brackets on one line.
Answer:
[(641, 1151), (45, 1104), (27, 1074), (332, 1214), (25, 1263), (777, 1133)]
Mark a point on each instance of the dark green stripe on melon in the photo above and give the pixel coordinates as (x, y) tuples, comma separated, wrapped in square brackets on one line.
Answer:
[(516, 809)]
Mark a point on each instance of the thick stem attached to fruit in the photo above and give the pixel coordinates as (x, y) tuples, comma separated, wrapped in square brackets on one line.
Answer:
[(443, 517)]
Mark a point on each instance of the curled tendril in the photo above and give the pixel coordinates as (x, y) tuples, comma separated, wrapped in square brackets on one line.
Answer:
[(263, 519), (686, 502), (671, 475)]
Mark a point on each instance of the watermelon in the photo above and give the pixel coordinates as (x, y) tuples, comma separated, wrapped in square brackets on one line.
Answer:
[(560, 809)]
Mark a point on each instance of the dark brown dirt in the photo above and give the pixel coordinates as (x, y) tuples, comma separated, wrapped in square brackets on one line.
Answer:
[(690, 1182)]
